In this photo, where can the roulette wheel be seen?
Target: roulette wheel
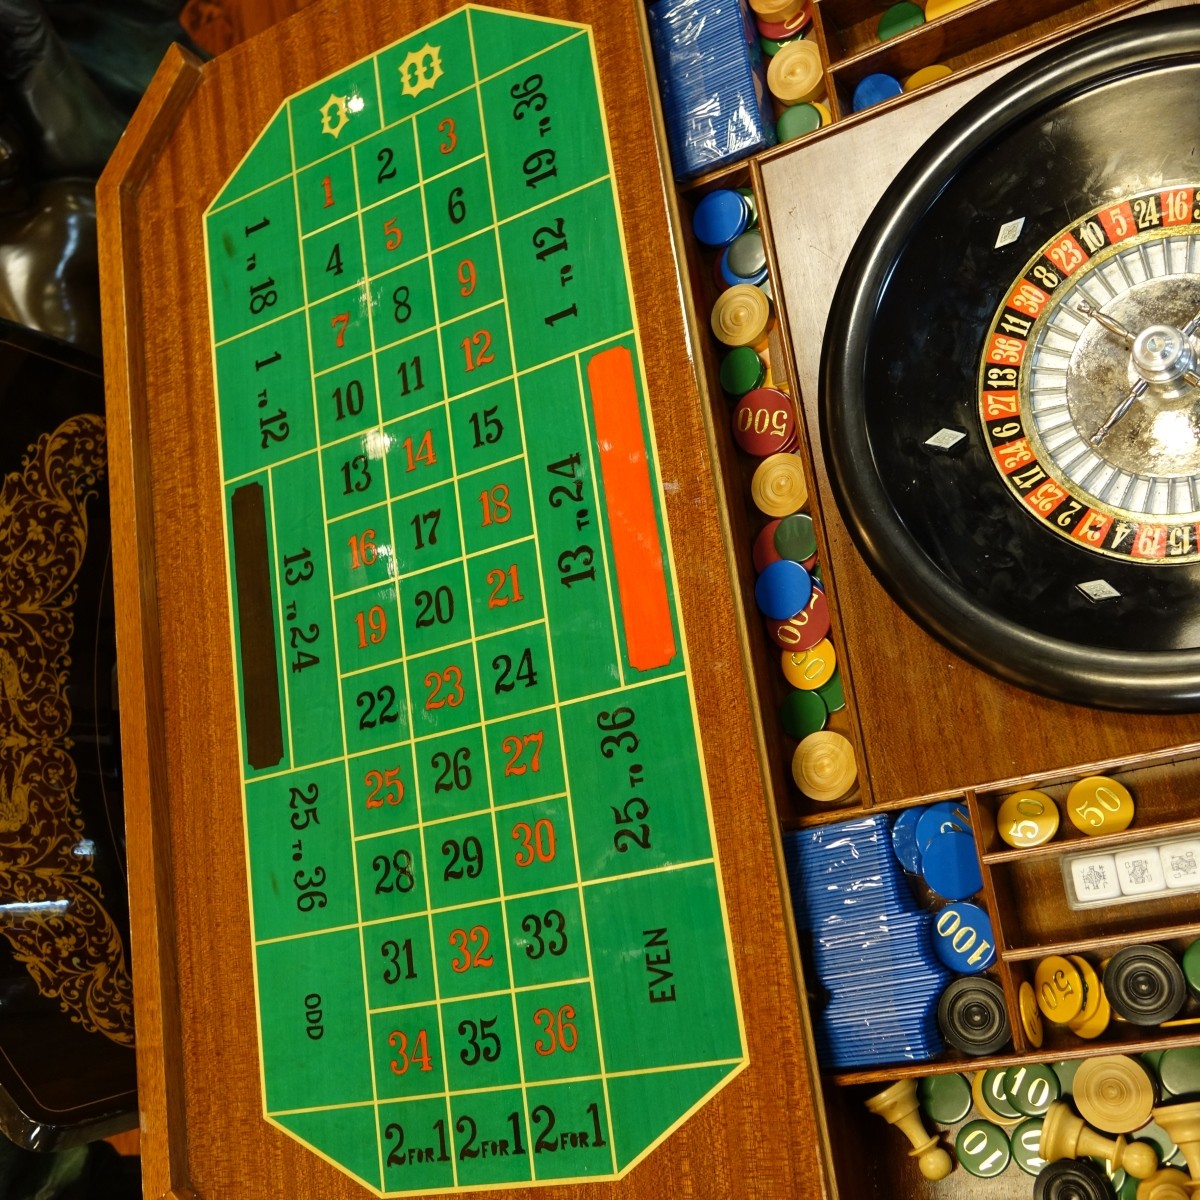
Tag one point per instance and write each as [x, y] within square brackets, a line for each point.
[1008, 378]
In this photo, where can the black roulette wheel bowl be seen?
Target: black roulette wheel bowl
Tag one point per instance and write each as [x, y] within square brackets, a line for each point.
[1088, 122]
[67, 1069]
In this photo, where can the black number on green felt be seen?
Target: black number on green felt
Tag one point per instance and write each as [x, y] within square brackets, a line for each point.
[536, 1116]
[471, 854]
[395, 1158]
[573, 495]
[386, 698]
[352, 404]
[298, 568]
[402, 310]
[425, 528]
[437, 605]
[386, 170]
[456, 208]
[334, 265]
[549, 239]
[401, 864]
[307, 885]
[414, 383]
[391, 952]
[534, 926]
[524, 673]
[527, 96]
[634, 809]
[488, 427]
[456, 775]
[357, 475]
[483, 1043]
[303, 817]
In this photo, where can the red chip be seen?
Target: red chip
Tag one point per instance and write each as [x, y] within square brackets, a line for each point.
[806, 628]
[764, 422]
[764, 547]
[780, 31]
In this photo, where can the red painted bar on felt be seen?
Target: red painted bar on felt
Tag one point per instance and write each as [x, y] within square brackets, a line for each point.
[633, 528]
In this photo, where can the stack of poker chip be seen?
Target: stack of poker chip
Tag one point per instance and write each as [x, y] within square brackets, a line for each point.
[871, 948]
[788, 592]
[795, 66]
[710, 74]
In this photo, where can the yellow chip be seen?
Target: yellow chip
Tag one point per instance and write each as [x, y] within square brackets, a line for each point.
[823, 766]
[1027, 818]
[741, 315]
[810, 669]
[1058, 987]
[794, 75]
[778, 487]
[1031, 1019]
[1099, 805]
[985, 1110]
[926, 75]
[940, 8]
[1093, 991]
[777, 10]
[1095, 1025]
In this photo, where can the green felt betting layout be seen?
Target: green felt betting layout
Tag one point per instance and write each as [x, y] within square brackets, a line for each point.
[490, 940]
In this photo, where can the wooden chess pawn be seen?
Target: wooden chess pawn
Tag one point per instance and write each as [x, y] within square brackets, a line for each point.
[1064, 1135]
[1182, 1123]
[1167, 1184]
[898, 1106]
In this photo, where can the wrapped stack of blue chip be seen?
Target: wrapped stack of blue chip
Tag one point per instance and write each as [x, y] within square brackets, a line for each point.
[872, 950]
[710, 75]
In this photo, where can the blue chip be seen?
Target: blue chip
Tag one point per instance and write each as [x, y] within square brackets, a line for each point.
[940, 818]
[963, 938]
[951, 867]
[904, 839]
[720, 217]
[782, 590]
[874, 89]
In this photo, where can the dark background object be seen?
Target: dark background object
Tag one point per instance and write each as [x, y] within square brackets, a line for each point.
[70, 76]
[59, 1083]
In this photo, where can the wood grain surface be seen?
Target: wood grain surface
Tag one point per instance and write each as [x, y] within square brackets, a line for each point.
[202, 1130]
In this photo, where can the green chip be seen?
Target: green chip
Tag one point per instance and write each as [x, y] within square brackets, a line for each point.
[795, 537]
[900, 18]
[945, 1099]
[771, 46]
[982, 1149]
[1151, 1060]
[742, 371]
[1027, 1146]
[1066, 1074]
[1191, 967]
[1032, 1088]
[995, 1092]
[1179, 1072]
[832, 693]
[797, 121]
[803, 713]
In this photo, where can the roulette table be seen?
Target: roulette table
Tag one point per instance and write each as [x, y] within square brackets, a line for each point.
[456, 798]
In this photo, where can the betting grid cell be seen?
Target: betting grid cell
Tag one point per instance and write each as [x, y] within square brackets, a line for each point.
[622, 690]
